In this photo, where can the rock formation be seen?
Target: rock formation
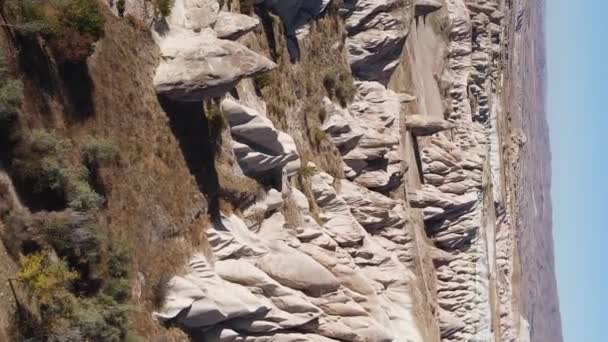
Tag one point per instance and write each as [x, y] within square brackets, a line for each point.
[411, 238]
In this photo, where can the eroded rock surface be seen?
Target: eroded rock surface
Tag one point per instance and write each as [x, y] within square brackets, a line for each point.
[341, 259]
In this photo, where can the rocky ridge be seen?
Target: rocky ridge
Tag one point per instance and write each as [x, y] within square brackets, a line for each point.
[338, 259]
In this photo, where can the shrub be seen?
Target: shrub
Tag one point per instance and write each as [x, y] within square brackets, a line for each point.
[79, 193]
[11, 93]
[97, 314]
[119, 260]
[42, 163]
[48, 281]
[247, 6]
[120, 7]
[339, 84]
[118, 288]
[262, 80]
[216, 120]
[319, 135]
[71, 26]
[101, 319]
[307, 171]
[163, 7]
[100, 151]
[71, 233]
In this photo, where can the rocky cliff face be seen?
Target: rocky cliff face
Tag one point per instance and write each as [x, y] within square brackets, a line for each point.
[375, 132]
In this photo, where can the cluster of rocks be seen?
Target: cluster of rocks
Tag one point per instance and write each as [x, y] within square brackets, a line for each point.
[344, 278]
[367, 133]
[377, 30]
[340, 268]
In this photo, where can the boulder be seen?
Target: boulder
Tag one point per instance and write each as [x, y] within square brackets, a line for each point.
[257, 144]
[198, 66]
[422, 125]
[231, 25]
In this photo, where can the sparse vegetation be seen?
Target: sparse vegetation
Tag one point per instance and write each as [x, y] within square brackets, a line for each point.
[100, 151]
[42, 164]
[71, 26]
[307, 171]
[339, 85]
[247, 6]
[262, 80]
[79, 193]
[11, 93]
[163, 7]
[120, 7]
[216, 120]
[319, 135]
[78, 282]
[294, 95]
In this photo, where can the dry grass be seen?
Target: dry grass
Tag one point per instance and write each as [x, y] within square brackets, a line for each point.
[294, 92]
[153, 203]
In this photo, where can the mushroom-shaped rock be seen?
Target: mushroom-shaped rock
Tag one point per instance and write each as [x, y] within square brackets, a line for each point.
[198, 66]
[231, 25]
[422, 125]
[424, 7]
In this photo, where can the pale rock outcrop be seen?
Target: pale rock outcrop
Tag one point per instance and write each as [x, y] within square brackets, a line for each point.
[258, 145]
[203, 299]
[377, 30]
[367, 134]
[422, 125]
[299, 284]
[198, 66]
[340, 268]
[454, 168]
[234, 25]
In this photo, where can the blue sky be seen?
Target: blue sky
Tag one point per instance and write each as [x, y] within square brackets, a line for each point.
[577, 109]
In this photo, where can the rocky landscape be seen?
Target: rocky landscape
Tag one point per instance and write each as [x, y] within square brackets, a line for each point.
[321, 170]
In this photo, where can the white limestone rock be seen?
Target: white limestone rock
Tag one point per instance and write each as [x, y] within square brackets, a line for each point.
[423, 125]
[231, 25]
[198, 66]
[257, 144]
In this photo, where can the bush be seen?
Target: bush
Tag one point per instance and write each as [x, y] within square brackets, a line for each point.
[339, 84]
[319, 135]
[102, 319]
[216, 120]
[98, 313]
[262, 81]
[48, 281]
[11, 94]
[120, 7]
[163, 7]
[42, 163]
[247, 6]
[70, 233]
[79, 193]
[100, 151]
[307, 171]
[71, 26]
[119, 261]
